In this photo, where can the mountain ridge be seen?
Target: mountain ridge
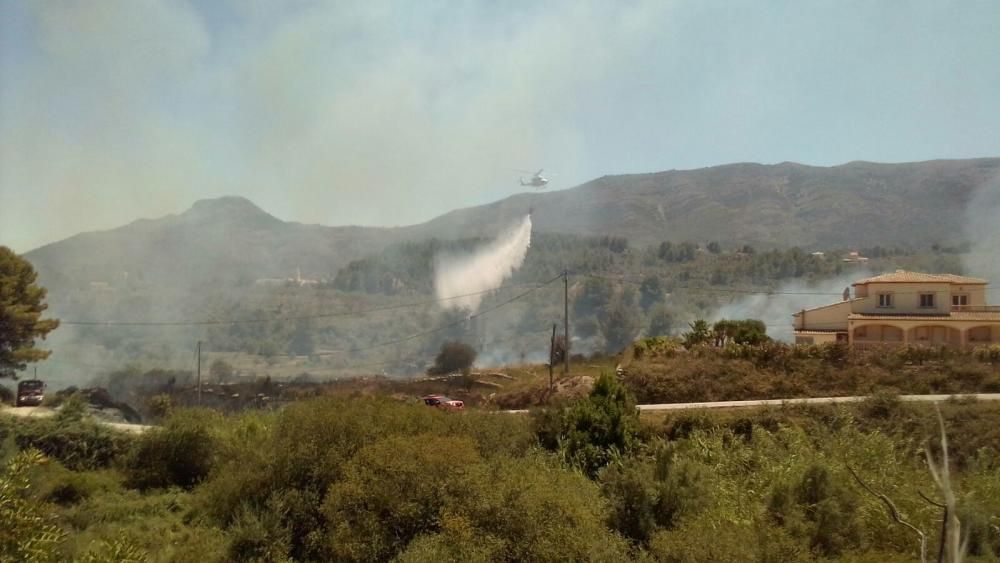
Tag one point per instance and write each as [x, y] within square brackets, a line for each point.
[768, 205]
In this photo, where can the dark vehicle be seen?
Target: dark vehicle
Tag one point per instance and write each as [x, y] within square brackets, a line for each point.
[442, 402]
[30, 392]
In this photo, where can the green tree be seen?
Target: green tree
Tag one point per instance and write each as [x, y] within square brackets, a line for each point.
[714, 247]
[700, 333]
[453, 357]
[594, 431]
[178, 454]
[650, 292]
[661, 321]
[594, 297]
[619, 325]
[749, 332]
[21, 305]
[301, 343]
[393, 491]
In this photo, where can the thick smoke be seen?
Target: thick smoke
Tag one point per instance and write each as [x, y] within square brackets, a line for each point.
[484, 270]
[982, 230]
[776, 309]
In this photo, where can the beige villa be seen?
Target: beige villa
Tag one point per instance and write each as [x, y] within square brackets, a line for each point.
[905, 308]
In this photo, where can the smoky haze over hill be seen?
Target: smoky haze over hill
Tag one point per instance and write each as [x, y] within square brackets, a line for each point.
[787, 204]
[230, 239]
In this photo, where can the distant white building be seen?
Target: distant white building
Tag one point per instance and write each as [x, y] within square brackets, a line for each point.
[297, 280]
[854, 258]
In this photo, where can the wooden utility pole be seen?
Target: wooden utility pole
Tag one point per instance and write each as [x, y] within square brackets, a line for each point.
[566, 321]
[552, 356]
[199, 373]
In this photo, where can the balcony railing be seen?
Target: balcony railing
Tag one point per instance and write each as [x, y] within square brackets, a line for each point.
[975, 308]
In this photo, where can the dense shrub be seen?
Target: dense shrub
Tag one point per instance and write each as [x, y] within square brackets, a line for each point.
[656, 347]
[521, 510]
[453, 357]
[6, 395]
[76, 443]
[989, 354]
[292, 458]
[259, 535]
[393, 491]
[181, 453]
[591, 433]
[64, 487]
[27, 533]
[776, 371]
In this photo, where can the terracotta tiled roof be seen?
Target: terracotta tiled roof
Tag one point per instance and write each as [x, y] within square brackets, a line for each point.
[956, 316]
[838, 303]
[902, 276]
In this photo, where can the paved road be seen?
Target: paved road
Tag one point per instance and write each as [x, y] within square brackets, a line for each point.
[44, 412]
[802, 401]
[810, 401]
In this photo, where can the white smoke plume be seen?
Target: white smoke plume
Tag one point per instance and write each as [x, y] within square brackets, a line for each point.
[483, 270]
[776, 309]
[982, 230]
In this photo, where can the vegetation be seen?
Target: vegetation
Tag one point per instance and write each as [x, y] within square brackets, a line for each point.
[618, 291]
[378, 480]
[662, 372]
[22, 303]
[454, 357]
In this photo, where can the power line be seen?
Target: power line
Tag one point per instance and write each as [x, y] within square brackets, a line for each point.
[426, 332]
[607, 277]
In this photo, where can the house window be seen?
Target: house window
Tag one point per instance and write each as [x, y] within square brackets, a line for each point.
[927, 300]
[959, 300]
[885, 300]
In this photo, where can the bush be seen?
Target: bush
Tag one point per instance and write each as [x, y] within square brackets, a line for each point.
[298, 454]
[63, 487]
[989, 354]
[77, 444]
[180, 454]
[592, 432]
[655, 347]
[6, 395]
[119, 550]
[453, 357]
[520, 510]
[26, 532]
[820, 509]
[632, 495]
[393, 491]
[258, 535]
[682, 490]
[159, 406]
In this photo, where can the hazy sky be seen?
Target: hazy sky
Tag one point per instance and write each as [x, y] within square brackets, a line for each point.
[364, 112]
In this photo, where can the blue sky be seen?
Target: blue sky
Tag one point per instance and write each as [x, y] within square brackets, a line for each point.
[389, 113]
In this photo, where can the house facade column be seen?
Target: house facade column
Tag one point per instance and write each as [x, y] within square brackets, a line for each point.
[963, 338]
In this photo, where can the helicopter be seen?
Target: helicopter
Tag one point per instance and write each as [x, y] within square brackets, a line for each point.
[537, 181]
